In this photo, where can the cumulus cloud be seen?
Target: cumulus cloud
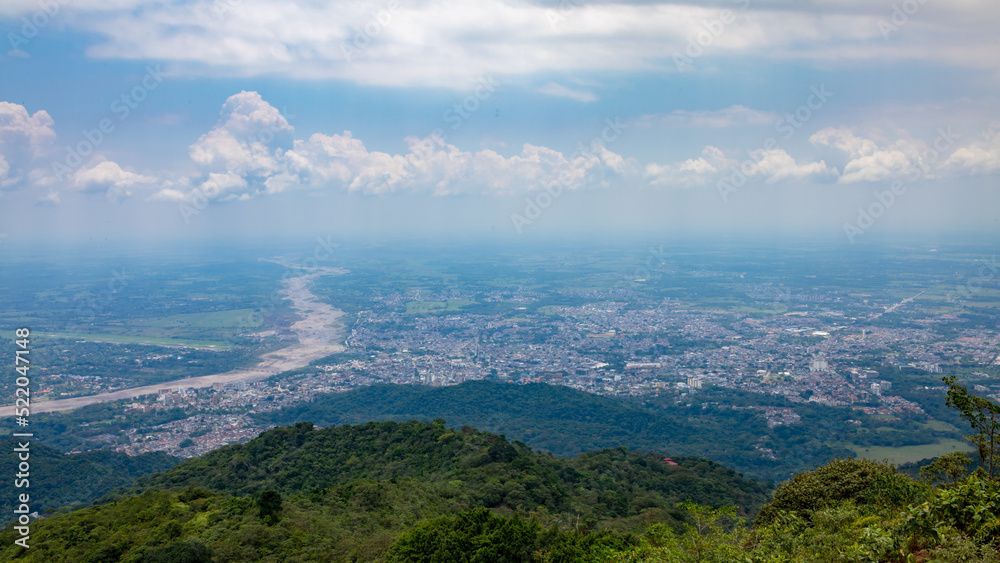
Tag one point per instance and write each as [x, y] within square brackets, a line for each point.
[776, 165]
[252, 152]
[772, 166]
[24, 138]
[241, 162]
[18, 128]
[237, 168]
[108, 178]
[246, 136]
[691, 172]
[978, 157]
[872, 158]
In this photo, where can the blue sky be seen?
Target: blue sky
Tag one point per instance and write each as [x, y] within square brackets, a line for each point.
[209, 118]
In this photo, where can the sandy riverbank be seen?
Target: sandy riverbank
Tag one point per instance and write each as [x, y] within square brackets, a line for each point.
[318, 331]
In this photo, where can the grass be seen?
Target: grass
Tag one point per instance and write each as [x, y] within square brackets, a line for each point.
[908, 454]
[724, 305]
[218, 319]
[941, 426]
[127, 339]
[422, 307]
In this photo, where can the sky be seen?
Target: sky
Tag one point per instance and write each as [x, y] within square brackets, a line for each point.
[207, 119]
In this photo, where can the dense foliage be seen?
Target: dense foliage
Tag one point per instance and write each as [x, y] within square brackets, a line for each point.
[568, 422]
[421, 492]
[57, 480]
[350, 491]
[483, 469]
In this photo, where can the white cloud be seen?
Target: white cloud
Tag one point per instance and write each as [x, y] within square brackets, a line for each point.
[435, 167]
[236, 168]
[19, 129]
[691, 172]
[246, 137]
[978, 157]
[24, 138]
[239, 170]
[871, 159]
[844, 139]
[225, 185]
[172, 195]
[727, 117]
[12, 8]
[777, 165]
[773, 166]
[874, 158]
[108, 178]
[560, 91]
[449, 42]
[49, 200]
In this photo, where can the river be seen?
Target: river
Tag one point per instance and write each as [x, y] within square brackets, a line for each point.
[318, 332]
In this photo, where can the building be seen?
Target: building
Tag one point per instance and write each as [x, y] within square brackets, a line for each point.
[818, 364]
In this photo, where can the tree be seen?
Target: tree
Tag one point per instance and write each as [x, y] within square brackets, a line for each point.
[950, 468]
[269, 505]
[180, 552]
[707, 538]
[984, 416]
[476, 536]
[862, 481]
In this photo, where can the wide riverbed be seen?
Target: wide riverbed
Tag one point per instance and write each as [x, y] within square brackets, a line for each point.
[319, 333]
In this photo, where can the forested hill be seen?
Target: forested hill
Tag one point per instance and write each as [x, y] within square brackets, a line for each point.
[492, 471]
[567, 422]
[59, 480]
[347, 493]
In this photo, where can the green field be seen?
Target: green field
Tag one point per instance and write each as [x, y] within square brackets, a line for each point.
[907, 454]
[941, 426]
[423, 307]
[218, 319]
[126, 339]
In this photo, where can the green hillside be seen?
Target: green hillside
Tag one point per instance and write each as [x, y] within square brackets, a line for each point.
[409, 492]
[71, 480]
[568, 422]
[421, 492]
[350, 491]
[492, 471]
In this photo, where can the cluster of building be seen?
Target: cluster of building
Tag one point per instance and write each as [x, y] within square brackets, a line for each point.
[810, 353]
